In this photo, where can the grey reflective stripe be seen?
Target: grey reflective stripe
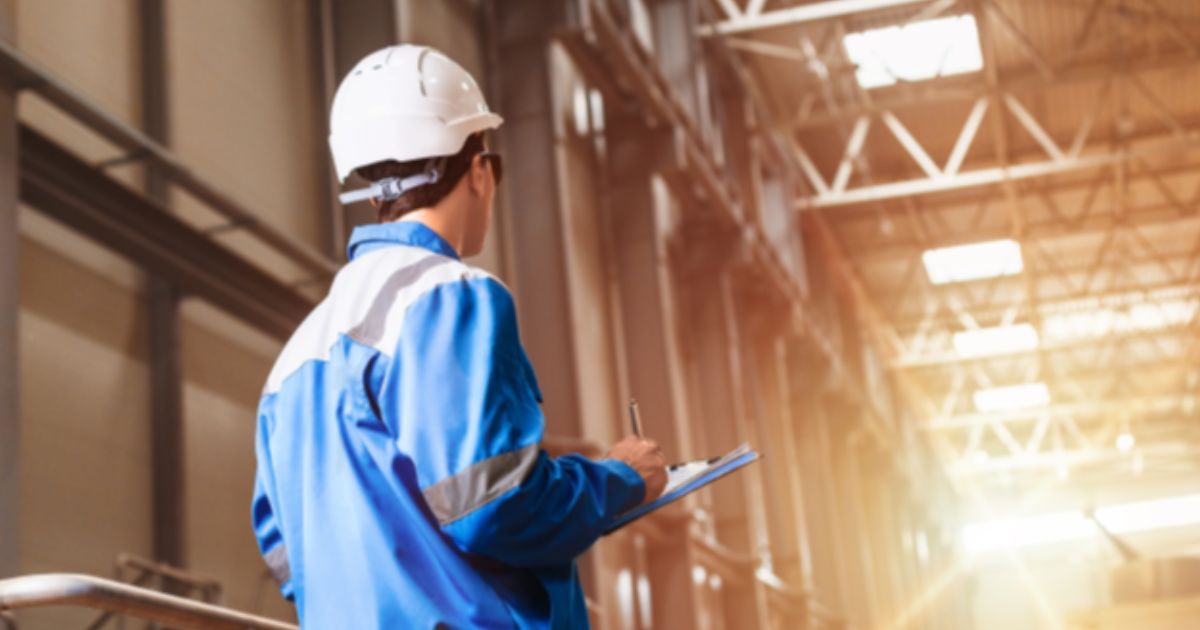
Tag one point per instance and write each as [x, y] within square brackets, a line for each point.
[457, 496]
[277, 563]
[370, 330]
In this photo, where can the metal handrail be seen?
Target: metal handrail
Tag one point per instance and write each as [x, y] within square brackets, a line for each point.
[50, 589]
[29, 75]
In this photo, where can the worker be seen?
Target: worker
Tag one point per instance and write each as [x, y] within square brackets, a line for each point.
[401, 482]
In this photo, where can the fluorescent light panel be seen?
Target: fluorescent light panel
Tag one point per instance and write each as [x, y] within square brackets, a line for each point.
[916, 52]
[1012, 397]
[973, 262]
[1044, 529]
[995, 340]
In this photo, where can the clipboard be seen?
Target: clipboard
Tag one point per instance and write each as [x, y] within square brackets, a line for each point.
[688, 477]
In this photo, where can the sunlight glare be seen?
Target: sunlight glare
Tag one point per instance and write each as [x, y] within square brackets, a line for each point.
[995, 340]
[915, 52]
[1012, 397]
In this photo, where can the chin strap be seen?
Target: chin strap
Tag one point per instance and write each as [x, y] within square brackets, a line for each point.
[390, 188]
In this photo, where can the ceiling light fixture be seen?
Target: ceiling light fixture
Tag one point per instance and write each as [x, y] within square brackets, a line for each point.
[973, 262]
[917, 51]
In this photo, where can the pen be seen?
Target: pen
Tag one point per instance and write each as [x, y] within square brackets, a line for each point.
[633, 417]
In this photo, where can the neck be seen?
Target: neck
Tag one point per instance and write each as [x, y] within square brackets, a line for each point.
[448, 225]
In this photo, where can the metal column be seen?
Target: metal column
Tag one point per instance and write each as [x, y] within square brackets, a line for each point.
[10, 418]
[355, 28]
[719, 410]
[647, 309]
[323, 57]
[643, 272]
[162, 315]
[797, 388]
[820, 495]
[522, 31]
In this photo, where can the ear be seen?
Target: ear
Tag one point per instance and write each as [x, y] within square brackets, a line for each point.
[478, 174]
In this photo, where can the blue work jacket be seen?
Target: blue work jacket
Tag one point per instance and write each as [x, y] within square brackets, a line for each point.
[400, 479]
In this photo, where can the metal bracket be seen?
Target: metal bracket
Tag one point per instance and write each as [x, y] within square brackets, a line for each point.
[135, 155]
[230, 226]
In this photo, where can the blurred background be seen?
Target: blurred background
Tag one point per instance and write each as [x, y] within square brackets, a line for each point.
[937, 260]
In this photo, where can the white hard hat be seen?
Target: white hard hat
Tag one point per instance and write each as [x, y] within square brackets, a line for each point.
[404, 103]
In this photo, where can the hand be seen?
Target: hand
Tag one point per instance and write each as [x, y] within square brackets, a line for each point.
[646, 458]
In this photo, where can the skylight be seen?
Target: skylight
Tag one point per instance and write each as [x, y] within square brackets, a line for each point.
[915, 52]
[995, 340]
[973, 262]
[1012, 397]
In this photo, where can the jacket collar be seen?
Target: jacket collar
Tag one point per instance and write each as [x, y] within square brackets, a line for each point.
[368, 238]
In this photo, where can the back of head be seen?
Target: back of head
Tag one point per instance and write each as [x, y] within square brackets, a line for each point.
[411, 116]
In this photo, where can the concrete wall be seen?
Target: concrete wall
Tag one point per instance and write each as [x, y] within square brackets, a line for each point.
[85, 485]
[241, 112]
[241, 117]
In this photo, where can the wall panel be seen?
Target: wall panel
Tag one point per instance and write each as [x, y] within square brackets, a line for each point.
[241, 113]
[85, 485]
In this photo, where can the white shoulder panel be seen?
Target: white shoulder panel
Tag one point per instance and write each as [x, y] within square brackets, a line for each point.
[367, 302]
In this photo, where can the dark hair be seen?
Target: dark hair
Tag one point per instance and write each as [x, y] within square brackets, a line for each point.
[451, 169]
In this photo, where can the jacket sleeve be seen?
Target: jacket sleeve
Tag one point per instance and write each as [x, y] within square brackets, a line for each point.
[266, 525]
[463, 402]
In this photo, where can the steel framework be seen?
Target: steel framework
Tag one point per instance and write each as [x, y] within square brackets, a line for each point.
[1105, 214]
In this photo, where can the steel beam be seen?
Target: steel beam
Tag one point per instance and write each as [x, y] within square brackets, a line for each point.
[10, 410]
[1070, 458]
[992, 312]
[1087, 222]
[66, 188]
[1091, 408]
[801, 14]
[1015, 81]
[991, 176]
[27, 74]
[951, 359]
[162, 311]
[1067, 276]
